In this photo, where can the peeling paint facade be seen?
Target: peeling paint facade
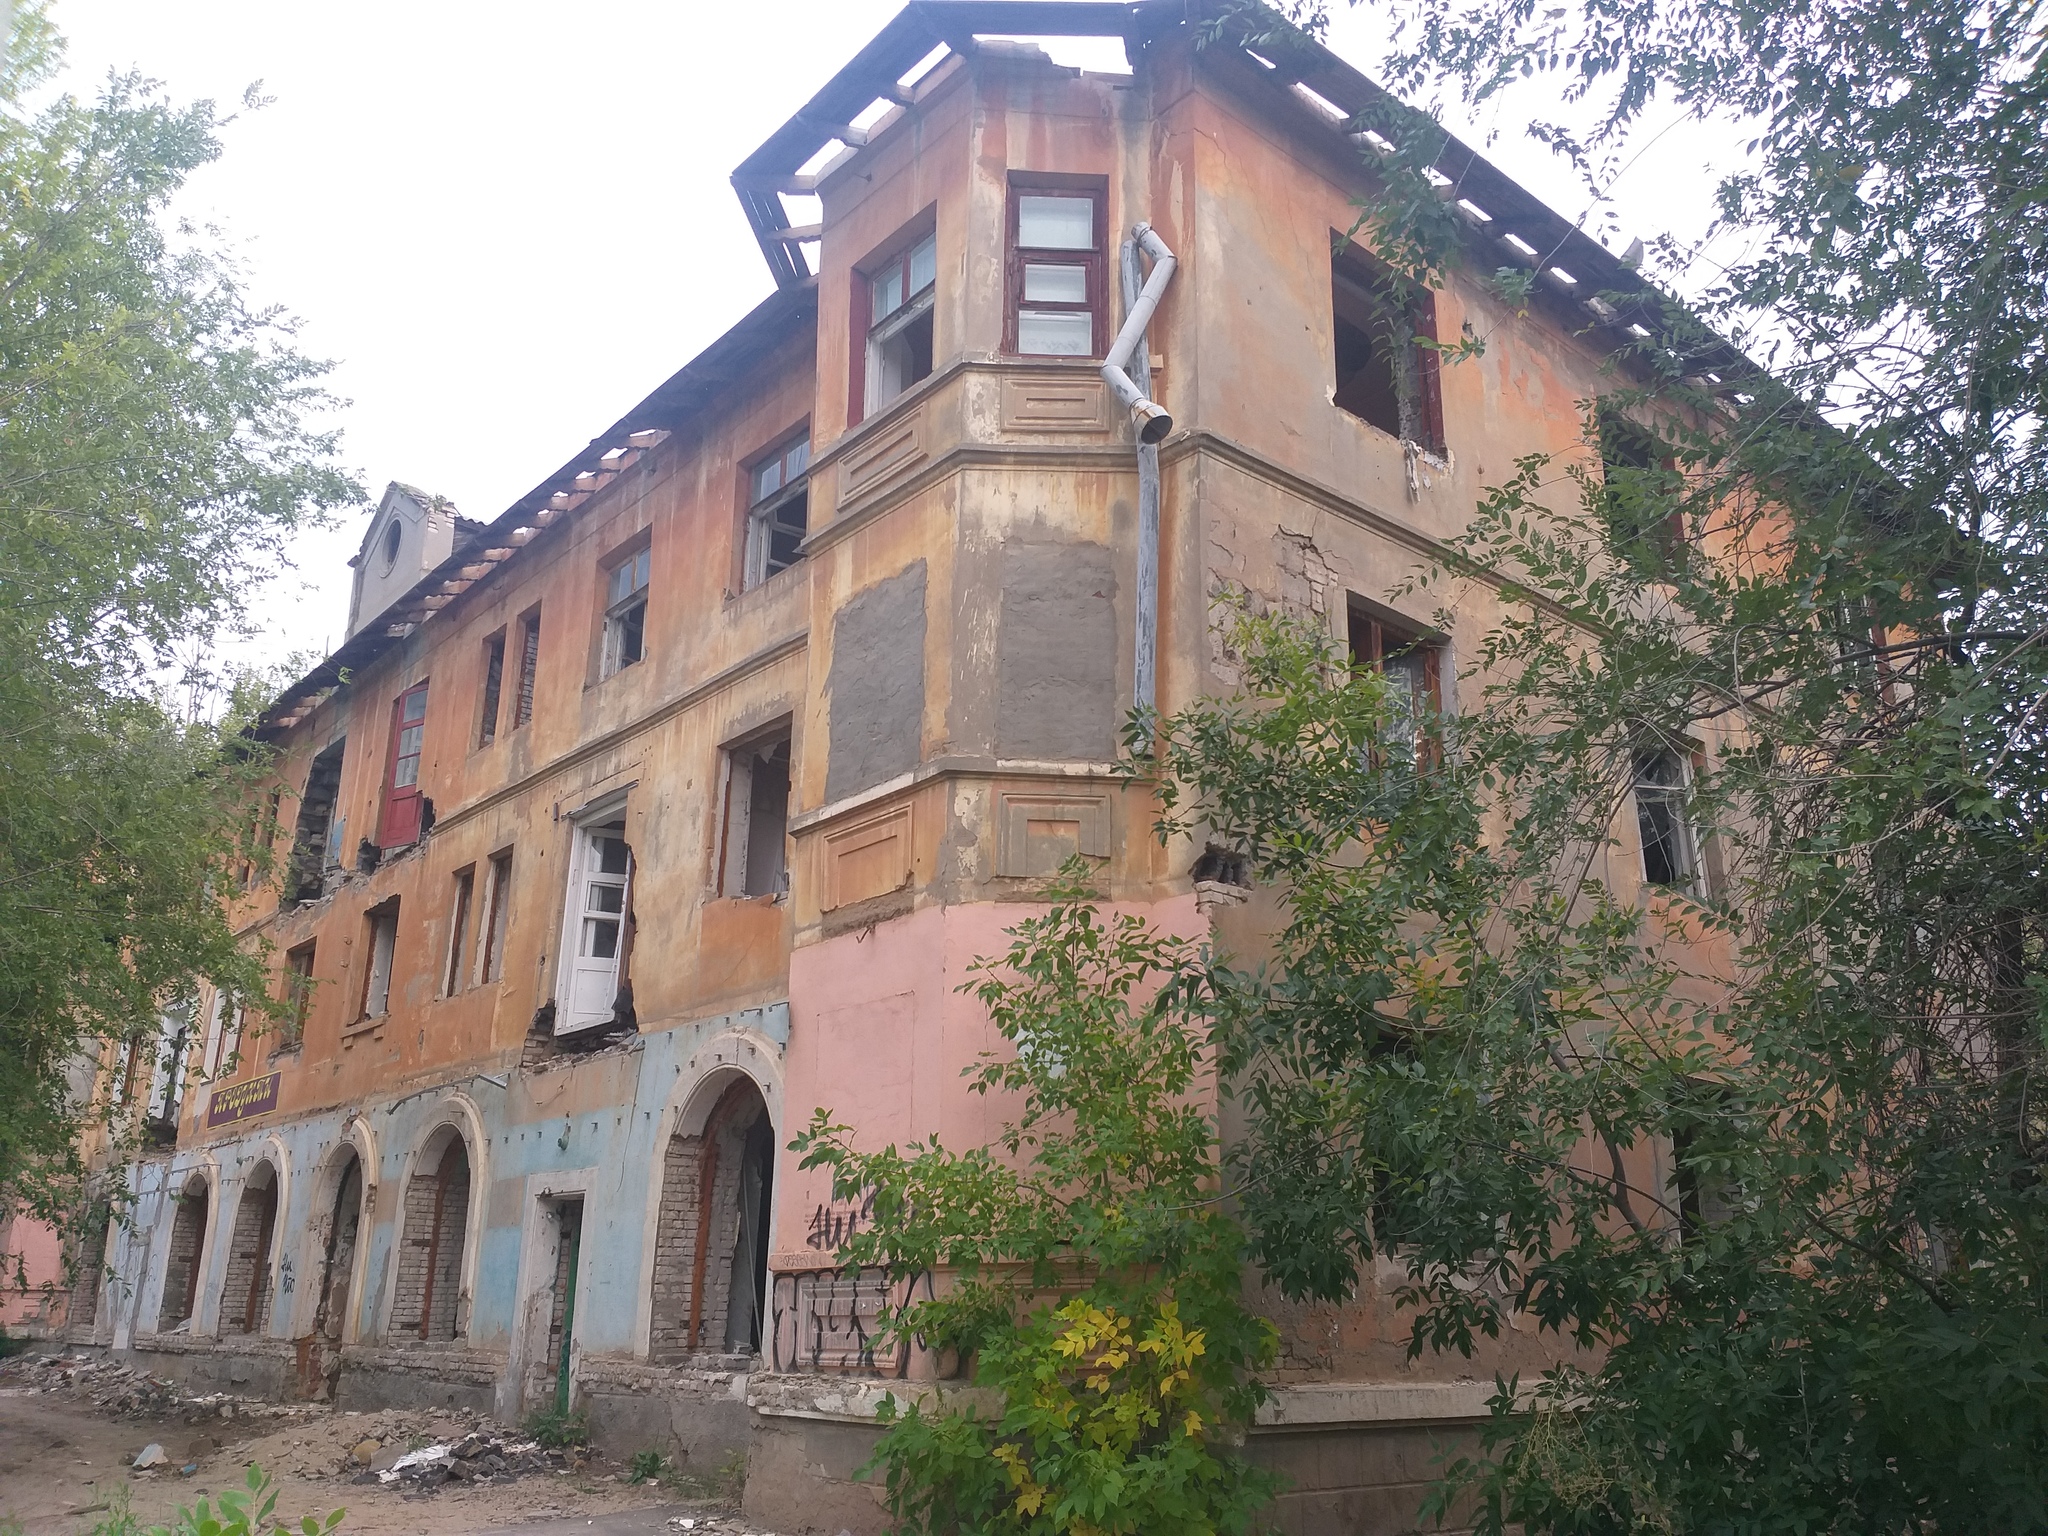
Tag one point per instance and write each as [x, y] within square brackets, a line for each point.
[634, 825]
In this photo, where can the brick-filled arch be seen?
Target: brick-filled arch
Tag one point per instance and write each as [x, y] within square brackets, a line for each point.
[245, 1291]
[428, 1301]
[711, 1231]
[187, 1255]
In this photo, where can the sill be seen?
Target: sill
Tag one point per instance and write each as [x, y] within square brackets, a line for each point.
[364, 1026]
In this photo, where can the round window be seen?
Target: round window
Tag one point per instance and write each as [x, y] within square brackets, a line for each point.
[392, 536]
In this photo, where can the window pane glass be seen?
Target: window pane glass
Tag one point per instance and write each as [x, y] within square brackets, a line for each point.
[415, 705]
[1056, 223]
[797, 460]
[768, 479]
[1048, 284]
[642, 564]
[611, 855]
[1055, 333]
[606, 898]
[889, 292]
[600, 938]
[924, 264]
[619, 586]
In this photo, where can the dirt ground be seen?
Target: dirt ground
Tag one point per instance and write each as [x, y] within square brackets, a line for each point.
[66, 1461]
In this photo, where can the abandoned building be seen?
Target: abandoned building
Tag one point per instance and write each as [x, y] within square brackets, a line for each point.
[630, 826]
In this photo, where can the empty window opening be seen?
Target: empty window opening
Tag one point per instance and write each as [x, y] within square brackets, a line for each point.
[245, 1291]
[1387, 368]
[596, 936]
[223, 1038]
[900, 297]
[494, 685]
[529, 668]
[400, 824]
[778, 510]
[1642, 495]
[1056, 273]
[185, 1260]
[625, 612]
[497, 916]
[711, 1256]
[167, 1079]
[1412, 664]
[298, 995]
[428, 1299]
[316, 842]
[1663, 822]
[457, 974]
[380, 943]
[1707, 1194]
[754, 847]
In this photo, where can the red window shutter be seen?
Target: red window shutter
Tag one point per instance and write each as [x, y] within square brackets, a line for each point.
[400, 823]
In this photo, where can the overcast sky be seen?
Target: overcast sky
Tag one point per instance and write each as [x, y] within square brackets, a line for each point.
[506, 224]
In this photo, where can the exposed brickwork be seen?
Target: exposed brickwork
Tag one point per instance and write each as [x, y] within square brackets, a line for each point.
[188, 1235]
[442, 1194]
[676, 1234]
[245, 1293]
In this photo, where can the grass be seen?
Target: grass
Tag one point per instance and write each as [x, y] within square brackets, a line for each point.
[558, 1431]
[723, 1484]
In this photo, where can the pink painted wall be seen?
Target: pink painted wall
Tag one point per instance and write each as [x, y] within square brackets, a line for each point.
[880, 1036]
[31, 1248]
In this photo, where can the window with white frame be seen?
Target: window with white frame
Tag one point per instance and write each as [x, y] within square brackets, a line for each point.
[778, 510]
[753, 846]
[1664, 822]
[223, 1036]
[625, 612]
[596, 915]
[901, 294]
[381, 933]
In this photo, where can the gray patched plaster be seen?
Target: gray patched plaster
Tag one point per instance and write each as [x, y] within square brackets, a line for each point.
[877, 684]
[1056, 653]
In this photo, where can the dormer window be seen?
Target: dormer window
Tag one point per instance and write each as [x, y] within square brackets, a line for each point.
[901, 293]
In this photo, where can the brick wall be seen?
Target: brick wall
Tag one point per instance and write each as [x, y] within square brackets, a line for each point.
[188, 1233]
[571, 1223]
[675, 1236]
[413, 1248]
[445, 1192]
[241, 1310]
[447, 1320]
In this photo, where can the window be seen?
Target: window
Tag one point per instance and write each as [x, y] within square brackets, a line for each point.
[1056, 275]
[298, 995]
[753, 850]
[1706, 1124]
[1670, 849]
[625, 613]
[494, 682]
[223, 1037]
[594, 937]
[401, 821]
[1388, 371]
[458, 932]
[380, 935]
[778, 510]
[900, 295]
[1412, 663]
[529, 665]
[167, 1084]
[497, 913]
[1641, 494]
[316, 842]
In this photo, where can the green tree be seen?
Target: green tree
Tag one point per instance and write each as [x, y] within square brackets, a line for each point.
[1089, 1277]
[156, 457]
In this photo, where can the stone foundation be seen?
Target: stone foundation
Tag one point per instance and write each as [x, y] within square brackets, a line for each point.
[417, 1376]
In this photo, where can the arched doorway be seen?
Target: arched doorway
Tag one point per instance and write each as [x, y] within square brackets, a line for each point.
[245, 1293]
[429, 1302]
[711, 1235]
[187, 1254]
[340, 1225]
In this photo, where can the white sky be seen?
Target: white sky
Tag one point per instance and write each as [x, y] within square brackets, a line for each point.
[506, 224]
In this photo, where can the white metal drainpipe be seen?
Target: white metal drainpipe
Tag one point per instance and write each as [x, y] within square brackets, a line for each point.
[1128, 372]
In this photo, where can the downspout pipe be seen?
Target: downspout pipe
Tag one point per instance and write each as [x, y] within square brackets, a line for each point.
[1128, 371]
[1148, 416]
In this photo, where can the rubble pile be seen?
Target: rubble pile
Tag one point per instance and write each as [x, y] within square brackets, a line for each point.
[122, 1391]
[482, 1456]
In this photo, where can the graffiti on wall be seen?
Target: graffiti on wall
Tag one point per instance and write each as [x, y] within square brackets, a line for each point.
[832, 1225]
[828, 1321]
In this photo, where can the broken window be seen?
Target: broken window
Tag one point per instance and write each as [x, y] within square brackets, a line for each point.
[595, 935]
[1056, 273]
[754, 842]
[458, 931]
[1641, 495]
[223, 1037]
[1386, 361]
[1670, 847]
[494, 683]
[529, 666]
[625, 612]
[778, 510]
[316, 843]
[901, 294]
[400, 824]
[298, 995]
[1412, 665]
[167, 1080]
[380, 935]
[497, 914]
